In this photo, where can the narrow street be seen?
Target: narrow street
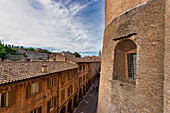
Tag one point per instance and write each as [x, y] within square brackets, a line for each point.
[89, 102]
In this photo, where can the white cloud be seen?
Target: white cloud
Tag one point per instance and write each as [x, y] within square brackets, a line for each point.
[46, 24]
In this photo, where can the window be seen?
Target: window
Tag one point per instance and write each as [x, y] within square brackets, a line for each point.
[84, 67]
[7, 98]
[37, 110]
[51, 82]
[83, 78]
[131, 65]
[33, 89]
[3, 99]
[62, 78]
[70, 76]
[80, 80]
[125, 61]
[63, 95]
[80, 68]
[75, 73]
[51, 104]
[75, 86]
[69, 90]
[86, 76]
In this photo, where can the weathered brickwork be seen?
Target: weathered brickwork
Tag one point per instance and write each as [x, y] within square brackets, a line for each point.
[113, 8]
[147, 25]
[167, 58]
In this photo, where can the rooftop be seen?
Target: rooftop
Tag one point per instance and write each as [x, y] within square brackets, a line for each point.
[16, 71]
[81, 60]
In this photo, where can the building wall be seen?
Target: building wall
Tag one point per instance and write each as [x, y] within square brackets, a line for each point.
[113, 8]
[76, 86]
[145, 26]
[24, 105]
[167, 58]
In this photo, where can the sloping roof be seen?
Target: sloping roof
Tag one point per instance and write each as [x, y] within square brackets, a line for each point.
[80, 60]
[15, 71]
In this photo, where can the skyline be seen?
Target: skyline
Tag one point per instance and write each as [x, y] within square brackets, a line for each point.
[56, 25]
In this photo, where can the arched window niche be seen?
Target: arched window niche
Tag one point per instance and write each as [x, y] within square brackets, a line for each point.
[125, 61]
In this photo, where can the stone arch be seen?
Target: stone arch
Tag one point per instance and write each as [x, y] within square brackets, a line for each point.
[63, 110]
[70, 107]
[125, 60]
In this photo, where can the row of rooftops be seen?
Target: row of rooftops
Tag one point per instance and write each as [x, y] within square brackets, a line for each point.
[16, 71]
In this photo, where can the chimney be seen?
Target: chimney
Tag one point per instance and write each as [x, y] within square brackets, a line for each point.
[44, 69]
[65, 59]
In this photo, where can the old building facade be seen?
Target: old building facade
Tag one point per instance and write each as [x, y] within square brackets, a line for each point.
[44, 87]
[135, 76]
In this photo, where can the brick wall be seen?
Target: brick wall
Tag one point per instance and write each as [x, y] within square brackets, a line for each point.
[167, 59]
[114, 8]
[145, 26]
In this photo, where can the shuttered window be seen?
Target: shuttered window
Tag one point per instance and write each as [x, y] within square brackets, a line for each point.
[63, 95]
[70, 90]
[7, 98]
[62, 78]
[84, 78]
[70, 76]
[37, 110]
[33, 89]
[80, 80]
[84, 67]
[51, 104]
[51, 82]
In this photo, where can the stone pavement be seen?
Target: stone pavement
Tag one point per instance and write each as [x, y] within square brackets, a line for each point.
[89, 102]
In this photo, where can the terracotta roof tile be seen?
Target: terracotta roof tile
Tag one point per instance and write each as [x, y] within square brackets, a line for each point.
[15, 71]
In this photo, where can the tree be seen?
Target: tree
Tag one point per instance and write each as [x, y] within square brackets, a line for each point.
[76, 54]
[31, 49]
[21, 47]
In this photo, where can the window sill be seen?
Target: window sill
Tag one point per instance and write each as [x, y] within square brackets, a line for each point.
[130, 80]
[51, 109]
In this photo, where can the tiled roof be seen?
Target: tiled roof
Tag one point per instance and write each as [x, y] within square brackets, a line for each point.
[15, 71]
[80, 60]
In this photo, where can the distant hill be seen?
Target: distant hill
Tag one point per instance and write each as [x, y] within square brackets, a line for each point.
[5, 49]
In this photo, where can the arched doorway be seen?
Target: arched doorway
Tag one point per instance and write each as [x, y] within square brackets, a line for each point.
[125, 60]
[80, 95]
[84, 90]
[63, 110]
[70, 107]
[75, 101]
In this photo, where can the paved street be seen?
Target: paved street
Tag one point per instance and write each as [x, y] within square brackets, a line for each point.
[89, 102]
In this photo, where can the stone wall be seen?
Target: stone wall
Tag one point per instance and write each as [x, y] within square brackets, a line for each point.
[167, 59]
[145, 25]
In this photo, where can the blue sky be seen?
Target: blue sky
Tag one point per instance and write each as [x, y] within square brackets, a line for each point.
[57, 25]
